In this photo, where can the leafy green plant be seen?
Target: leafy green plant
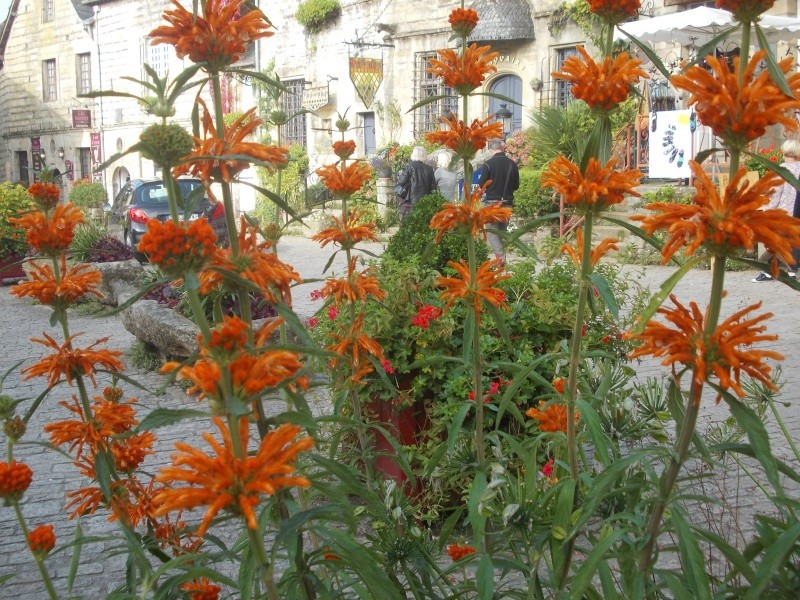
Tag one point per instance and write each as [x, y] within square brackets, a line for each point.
[772, 154]
[314, 15]
[531, 200]
[87, 235]
[88, 194]
[292, 185]
[14, 200]
[559, 131]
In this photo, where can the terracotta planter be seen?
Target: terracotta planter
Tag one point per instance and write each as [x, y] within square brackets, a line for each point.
[10, 269]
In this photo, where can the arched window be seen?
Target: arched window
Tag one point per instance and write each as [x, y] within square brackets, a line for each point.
[509, 86]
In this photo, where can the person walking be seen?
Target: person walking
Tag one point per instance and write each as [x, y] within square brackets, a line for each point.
[784, 197]
[417, 179]
[446, 180]
[502, 174]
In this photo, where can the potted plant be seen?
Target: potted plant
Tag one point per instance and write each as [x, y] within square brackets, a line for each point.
[14, 200]
[90, 196]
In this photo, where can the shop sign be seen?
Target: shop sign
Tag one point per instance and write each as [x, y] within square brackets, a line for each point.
[366, 75]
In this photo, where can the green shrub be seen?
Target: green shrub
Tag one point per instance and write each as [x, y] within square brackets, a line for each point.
[88, 194]
[87, 235]
[530, 200]
[292, 188]
[14, 200]
[315, 14]
[415, 238]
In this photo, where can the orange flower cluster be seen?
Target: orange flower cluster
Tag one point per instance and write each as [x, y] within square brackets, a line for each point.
[576, 252]
[465, 140]
[344, 149]
[740, 115]
[472, 214]
[347, 233]
[227, 481]
[178, 247]
[44, 194]
[201, 589]
[352, 348]
[457, 551]
[596, 189]
[129, 501]
[218, 37]
[254, 263]
[475, 292]
[357, 286]
[42, 539]
[731, 345]
[73, 283]
[725, 224]
[345, 180]
[615, 11]
[15, 478]
[68, 362]
[463, 21]
[207, 161]
[52, 233]
[251, 368]
[746, 11]
[602, 86]
[464, 72]
[551, 418]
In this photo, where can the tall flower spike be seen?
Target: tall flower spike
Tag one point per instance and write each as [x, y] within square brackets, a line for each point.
[52, 233]
[735, 115]
[344, 181]
[597, 189]
[472, 214]
[463, 21]
[74, 282]
[723, 225]
[67, 362]
[746, 11]
[602, 86]
[484, 288]
[464, 73]
[347, 233]
[178, 247]
[218, 37]
[615, 11]
[465, 140]
[44, 194]
[223, 481]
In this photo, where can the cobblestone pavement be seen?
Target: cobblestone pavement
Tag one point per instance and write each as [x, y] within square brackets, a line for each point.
[54, 475]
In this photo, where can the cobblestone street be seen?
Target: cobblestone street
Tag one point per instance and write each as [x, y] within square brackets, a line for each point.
[54, 474]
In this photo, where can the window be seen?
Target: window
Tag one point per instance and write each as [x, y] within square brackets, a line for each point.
[48, 11]
[158, 59]
[49, 80]
[294, 132]
[426, 118]
[84, 73]
[85, 162]
[563, 88]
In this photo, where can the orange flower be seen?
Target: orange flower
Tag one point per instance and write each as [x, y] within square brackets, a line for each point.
[746, 11]
[457, 551]
[344, 149]
[356, 286]
[558, 384]
[68, 362]
[576, 252]
[597, 189]
[41, 540]
[602, 86]
[463, 21]
[207, 160]
[353, 345]
[615, 11]
[50, 234]
[551, 418]
[347, 234]
[726, 353]
[255, 263]
[724, 224]
[15, 478]
[464, 73]
[178, 247]
[473, 214]
[44, 194]
[201, 589]
[345, 180]
[488, 275]
[227, 481]
[465, 140]
[129, 499]
[75, 282]
[736, 115]
[218, 37]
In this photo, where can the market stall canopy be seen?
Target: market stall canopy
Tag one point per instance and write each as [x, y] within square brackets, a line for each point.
[698, 26]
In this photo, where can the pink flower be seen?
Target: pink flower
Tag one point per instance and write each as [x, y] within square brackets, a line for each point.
[313, 322]
[316, 295]
[333, 312]
[494, 387]
[387, 366]
[547, 468]
[471, 396]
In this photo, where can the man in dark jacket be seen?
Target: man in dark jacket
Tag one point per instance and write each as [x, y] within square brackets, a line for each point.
[503, 174]
[418, 177]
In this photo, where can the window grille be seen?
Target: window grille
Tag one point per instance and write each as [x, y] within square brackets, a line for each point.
[294, 132]
[426, 85]
[84, 73]
[48, 11]
[563, 89]
[49, 80]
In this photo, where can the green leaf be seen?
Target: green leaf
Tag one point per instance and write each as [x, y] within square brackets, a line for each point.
[704, 154]
[476, 520]
[562, 522]
[606, 293]
[162, 417]
[747, 450]
[455, 426]
[772, 65]
[75, 561]
[730, 553]
[785, 174]
[425, 101]
[649, 53]
[774, 561]
[592, 423]
[580, 583]
[692, 559]
[485, 577]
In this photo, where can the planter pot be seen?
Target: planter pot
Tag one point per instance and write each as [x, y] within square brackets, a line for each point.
[11, 268]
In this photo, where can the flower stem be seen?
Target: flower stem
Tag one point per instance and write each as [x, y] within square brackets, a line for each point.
[267, 572]
[48, 583]
[227, 199]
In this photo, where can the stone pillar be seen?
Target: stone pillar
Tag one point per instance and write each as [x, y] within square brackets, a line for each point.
[385, 194]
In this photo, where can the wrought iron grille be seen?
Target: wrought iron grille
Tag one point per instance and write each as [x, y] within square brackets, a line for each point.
[294, 132]
[426, 85]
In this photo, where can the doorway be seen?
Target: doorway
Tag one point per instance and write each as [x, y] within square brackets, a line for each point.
[509, 86]
[368, 124]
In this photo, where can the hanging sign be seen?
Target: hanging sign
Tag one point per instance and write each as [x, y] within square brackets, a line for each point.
[97, 156]
[315, 98]
[366, 75]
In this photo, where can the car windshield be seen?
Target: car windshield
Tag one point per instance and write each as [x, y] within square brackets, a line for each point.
[155, 194]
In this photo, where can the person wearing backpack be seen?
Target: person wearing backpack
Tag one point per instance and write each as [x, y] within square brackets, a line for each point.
[416, 180]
